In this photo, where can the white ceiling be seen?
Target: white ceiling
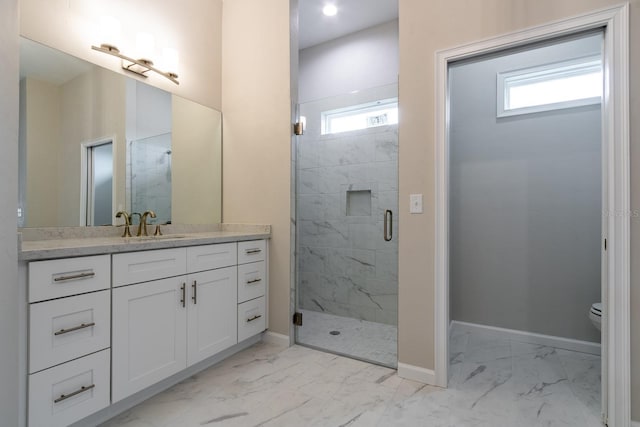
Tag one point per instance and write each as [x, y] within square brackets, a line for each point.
[49, 65]
[353, 15]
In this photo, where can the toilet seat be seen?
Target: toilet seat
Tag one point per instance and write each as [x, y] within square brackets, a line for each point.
[595, 315]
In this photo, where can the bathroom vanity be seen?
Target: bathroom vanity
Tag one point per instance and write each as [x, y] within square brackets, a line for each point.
[110, 321]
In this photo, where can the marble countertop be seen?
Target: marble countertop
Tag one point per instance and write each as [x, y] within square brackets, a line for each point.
[51, 243]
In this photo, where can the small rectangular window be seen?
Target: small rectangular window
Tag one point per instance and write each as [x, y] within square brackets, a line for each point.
[550, 87]
[362, 116]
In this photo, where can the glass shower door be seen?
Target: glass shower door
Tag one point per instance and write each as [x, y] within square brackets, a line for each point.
[347, 236]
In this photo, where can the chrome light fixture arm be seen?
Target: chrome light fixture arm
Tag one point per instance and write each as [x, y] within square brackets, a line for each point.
[137, 66]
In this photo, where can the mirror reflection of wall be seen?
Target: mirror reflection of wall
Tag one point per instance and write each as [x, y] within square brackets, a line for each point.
[149, 150]
[166, 150]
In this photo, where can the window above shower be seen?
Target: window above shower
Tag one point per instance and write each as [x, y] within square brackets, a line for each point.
[566, 84]
[362, 116]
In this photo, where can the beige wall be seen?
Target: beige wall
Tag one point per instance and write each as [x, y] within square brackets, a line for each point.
[93, 109]
[42, 138]
[196, 162]
[59, 119]
[9, 301]
[193, 28]
[257, 133]
[426, 27]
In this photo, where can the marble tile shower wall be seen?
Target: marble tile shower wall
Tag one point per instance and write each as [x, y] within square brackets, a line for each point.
[151, 176]
[345, 267]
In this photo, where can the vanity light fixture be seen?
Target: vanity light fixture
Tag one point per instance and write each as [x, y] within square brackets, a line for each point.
[143, 64]
[330, 10]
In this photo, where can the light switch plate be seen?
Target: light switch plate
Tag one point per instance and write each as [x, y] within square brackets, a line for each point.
[415, 203]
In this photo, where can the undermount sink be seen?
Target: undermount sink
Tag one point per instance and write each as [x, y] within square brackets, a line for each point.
[163, 237]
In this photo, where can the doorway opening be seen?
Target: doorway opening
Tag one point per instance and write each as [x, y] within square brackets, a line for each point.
[615, 218]
[346, 181]
[98, 193]
[525, 226]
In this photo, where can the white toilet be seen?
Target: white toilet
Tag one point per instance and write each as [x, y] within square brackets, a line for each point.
[595, 314]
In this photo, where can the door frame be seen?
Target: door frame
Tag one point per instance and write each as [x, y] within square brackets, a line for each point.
[84, 175]
[616, 195]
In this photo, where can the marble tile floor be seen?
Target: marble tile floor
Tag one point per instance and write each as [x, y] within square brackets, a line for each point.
[364, 340]
[497, 383]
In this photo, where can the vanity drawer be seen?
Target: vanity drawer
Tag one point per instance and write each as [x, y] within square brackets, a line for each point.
[57, 397]
[251, 318]
[67, 328]
[251, 281]
[209, 257]
[137, 267]
[251, 251]
[63, 277]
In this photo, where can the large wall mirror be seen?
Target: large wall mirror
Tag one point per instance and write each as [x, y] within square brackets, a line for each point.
[93, 142]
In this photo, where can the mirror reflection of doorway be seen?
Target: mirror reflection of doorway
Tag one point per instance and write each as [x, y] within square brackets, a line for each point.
[99, 197]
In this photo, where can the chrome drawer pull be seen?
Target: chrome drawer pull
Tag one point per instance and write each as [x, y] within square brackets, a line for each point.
[250, 282]
[252, 251]
[183, 290]
[75, 328]
[257, 316]
[67, 396]
[74, 276]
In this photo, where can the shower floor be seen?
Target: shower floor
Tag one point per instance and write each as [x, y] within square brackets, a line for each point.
[360, 339]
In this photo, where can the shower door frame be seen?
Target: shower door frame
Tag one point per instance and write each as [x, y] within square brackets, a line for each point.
[295, 308]
[616, 360]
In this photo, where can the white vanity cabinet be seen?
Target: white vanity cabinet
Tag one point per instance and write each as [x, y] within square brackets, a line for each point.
[162, 326]
[69, 339]
[102, 328]
[252, 280]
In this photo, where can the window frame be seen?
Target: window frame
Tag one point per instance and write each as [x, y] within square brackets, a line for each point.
[548, 72]
[363, 108]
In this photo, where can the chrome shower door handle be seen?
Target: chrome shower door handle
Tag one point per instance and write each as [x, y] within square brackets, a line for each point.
[388, 225]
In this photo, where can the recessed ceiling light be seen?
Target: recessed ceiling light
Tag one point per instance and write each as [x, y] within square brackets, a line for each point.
[330, 10]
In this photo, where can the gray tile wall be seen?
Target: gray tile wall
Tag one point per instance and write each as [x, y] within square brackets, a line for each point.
[345, 267]
[151, 176]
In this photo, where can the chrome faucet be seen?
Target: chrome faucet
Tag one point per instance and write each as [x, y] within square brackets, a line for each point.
[127, 223]
[142, 228]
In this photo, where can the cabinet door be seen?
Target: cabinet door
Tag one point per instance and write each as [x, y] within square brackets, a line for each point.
[212, 314]
[149, 341]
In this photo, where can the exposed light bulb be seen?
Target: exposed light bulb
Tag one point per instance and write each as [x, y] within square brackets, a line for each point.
[146, 45]
[109, 31]
[330, 10]
[170, 59]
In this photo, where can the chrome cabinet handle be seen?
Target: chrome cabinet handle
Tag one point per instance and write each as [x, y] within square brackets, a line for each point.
[257, 316]
[183, 289]
[75, 328]
[388, 225]
[70, 395]
[74, 276]
[252, 251]
[250, 282]
[194, 297]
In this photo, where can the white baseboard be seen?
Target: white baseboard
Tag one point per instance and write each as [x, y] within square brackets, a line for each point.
[275, 338]
[416, 373]
[533, 338]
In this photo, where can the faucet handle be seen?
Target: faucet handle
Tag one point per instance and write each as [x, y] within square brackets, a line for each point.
[127, 223]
